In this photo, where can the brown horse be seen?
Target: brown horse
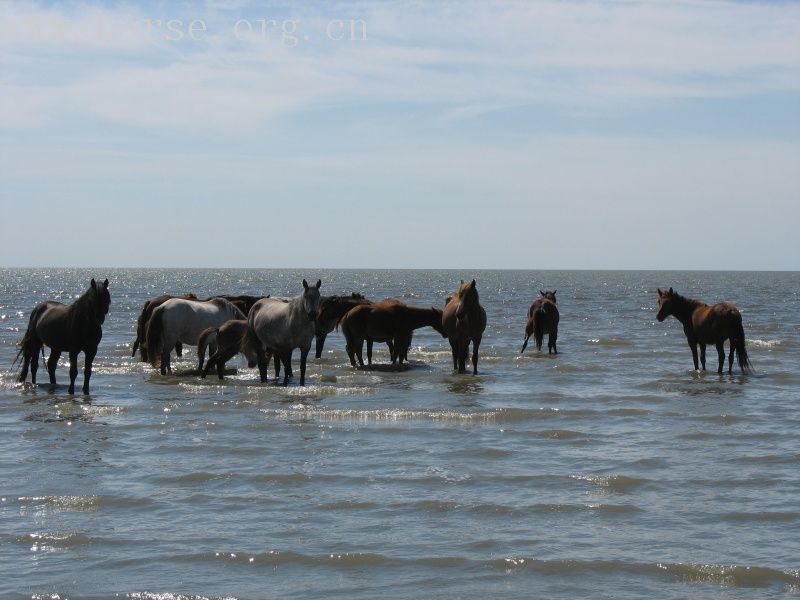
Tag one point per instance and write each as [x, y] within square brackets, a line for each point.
[388, 320]
[229, 340]
[704, 324]
[73, 328]
[464, 321]
[144, 317]
[331, 311]
[543, 319]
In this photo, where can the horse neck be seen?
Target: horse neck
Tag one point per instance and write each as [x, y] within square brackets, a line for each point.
[344, 306]
[297, 308]
[472, 307]
[83, 306]
[684, 309]
[421, 317]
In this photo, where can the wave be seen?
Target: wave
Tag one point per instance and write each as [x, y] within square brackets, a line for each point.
[77, 503]
[779, 516]
[610, 342]
[496, 416]
[718, 574]
[764, 343]
[614, 483]
[51, 541]
[561, 434]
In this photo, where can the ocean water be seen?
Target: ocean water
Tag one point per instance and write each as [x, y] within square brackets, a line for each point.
[609, 471]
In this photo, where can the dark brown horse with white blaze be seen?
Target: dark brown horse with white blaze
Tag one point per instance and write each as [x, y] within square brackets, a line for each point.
[464, 321]
[704, 324]
[543, 319]
[73, 328]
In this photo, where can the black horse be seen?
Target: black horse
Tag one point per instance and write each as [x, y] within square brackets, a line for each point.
[73, 328]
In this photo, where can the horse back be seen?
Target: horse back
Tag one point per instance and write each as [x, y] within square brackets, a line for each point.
[716, 323]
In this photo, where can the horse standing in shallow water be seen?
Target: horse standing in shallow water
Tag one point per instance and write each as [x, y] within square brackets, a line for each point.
[704, 324]
[74, 329]
[275, 326]
[180, 320]
[331, 311]
[140, 343]
[229, 340]
[543, 319]
[389, 321]
[463, 321]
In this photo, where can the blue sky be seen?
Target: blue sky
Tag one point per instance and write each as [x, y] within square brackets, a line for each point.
[587, 134]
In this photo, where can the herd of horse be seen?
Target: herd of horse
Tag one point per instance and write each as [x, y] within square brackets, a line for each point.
[271, 328]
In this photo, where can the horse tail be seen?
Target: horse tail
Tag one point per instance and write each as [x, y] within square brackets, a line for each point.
[155, 329]
[139, 329]
[204, 341]
[538, 326]
[27, 344]
[528, 332]
[741, 350]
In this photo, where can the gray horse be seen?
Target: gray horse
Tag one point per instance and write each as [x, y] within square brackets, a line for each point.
[275, 326]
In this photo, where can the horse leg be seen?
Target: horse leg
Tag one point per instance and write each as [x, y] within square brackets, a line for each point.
[179, 349]
[454, 351]
[35, 363]
[703, 356]
[287, 366]
[721, 353]
[554, 337]
[212, 360]
[693, 347]
[73, 371]
[320, 344]
[278, 366]
[222, 358]
[88, 357]
[730, 357]
[165, 360]
[463, 351]
[359, 349]
[303, 358]
[52, 363]
[369, 353]
[392, 349]
[476, 342]
[263, 363]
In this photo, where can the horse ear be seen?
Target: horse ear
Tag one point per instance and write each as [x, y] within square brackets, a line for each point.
[319, 283]
[660, 293]
[94, 283]
[472, 285]
[541, 292]
[671, 291]
[305, 284]
[462, 282]
[105, 284]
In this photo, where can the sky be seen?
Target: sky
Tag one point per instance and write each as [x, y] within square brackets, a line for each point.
[635, 134]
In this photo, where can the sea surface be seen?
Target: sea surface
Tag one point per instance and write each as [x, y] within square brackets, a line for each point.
[611, 470]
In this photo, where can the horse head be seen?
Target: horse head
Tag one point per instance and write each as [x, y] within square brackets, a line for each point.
[467, 296]
[311, 299]
[666, 303]
[549, 295]
[100, 299]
